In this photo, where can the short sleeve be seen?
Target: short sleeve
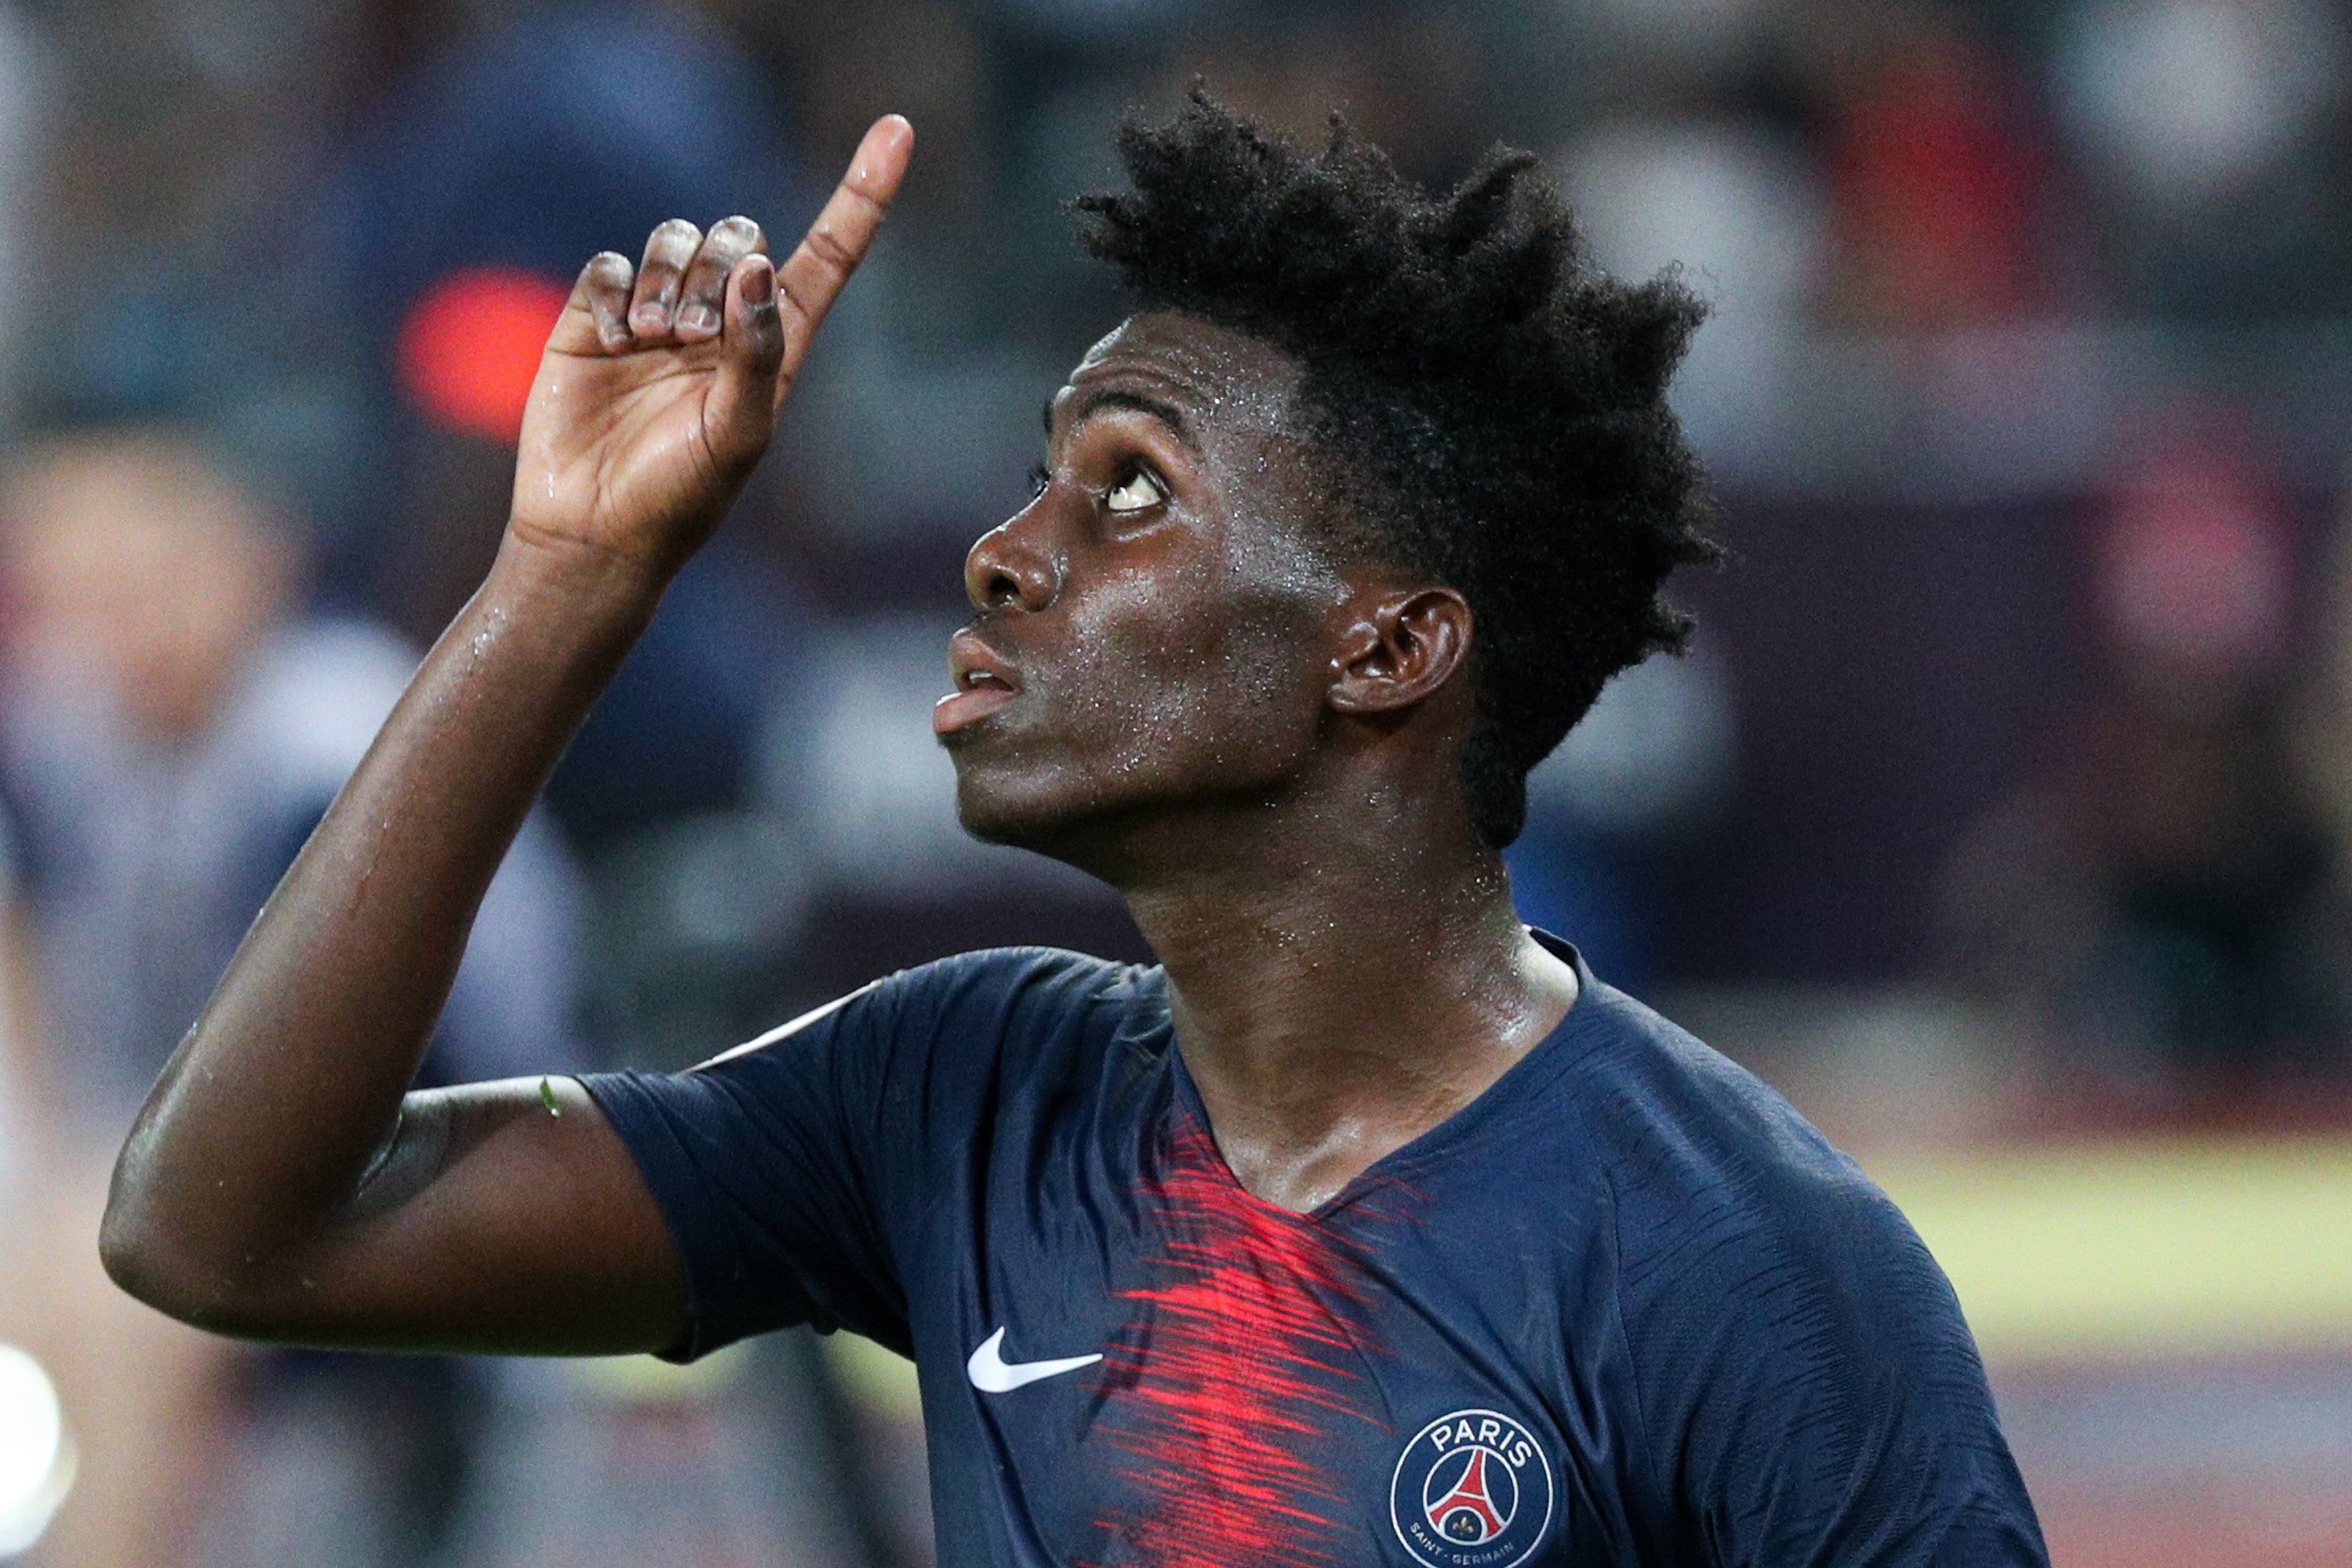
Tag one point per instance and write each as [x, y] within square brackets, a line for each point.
[1810, 1389]
[765, 1164]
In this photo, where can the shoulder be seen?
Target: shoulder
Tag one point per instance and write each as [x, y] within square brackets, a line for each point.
[1686, 1132]
[1804, 1372]
[1735, 1221]
[899, 1078]
[1008, 985]
[918, 1060]
[1737, 1224]
[984, 1005]
[1035, 982]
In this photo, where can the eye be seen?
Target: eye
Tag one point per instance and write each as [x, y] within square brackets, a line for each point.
[1038, 480]
[1138, 492]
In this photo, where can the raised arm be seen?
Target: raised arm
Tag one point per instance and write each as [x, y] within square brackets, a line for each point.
[281, 1182]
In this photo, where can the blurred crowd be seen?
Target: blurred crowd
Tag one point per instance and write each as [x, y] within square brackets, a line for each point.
[2025, 397]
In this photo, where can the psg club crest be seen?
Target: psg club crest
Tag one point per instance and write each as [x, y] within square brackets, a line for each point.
[1474, 1490]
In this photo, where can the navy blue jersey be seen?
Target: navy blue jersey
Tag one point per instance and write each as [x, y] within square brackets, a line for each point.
[1626, 1308]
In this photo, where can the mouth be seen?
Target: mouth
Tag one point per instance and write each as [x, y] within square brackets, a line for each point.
[985, 683]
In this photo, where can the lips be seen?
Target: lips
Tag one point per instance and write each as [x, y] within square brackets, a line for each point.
[985, 683]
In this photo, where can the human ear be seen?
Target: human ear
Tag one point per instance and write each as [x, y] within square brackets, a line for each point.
[1397, 649]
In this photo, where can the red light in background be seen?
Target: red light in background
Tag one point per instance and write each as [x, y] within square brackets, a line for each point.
[470, 346]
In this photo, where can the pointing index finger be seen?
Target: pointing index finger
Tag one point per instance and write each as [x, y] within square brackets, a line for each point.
[836, 242]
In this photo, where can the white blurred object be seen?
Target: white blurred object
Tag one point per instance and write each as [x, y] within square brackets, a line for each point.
[1734, 204]
[1657, 746]
[37, 1456]
[2190, 99]
[1740, 209]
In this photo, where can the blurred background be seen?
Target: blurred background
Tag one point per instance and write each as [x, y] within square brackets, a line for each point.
[2002, 817]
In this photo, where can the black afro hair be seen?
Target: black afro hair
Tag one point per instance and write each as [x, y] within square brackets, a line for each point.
[1488, 405]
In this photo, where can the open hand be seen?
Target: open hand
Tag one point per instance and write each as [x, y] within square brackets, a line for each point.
[660, 384]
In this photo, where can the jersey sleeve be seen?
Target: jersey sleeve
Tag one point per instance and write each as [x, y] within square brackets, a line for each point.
[769, 1166]
[1810, 1393]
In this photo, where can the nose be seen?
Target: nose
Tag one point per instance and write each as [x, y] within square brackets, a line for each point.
[1012, 566]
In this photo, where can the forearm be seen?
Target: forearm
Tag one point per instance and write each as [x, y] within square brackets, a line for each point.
[263, 1127]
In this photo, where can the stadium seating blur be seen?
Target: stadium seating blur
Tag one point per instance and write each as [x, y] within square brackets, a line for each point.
[2003, 817]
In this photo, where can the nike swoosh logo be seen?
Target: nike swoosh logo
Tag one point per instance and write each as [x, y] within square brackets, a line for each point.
[992, 1374]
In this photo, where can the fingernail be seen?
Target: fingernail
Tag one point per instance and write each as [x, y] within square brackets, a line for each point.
[649, 318]
[758, 285]
[699, 319]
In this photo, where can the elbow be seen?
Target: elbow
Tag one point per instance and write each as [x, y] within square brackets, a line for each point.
[134, 1235]
[137, 1257]
[144, 1257]
[212, 1283]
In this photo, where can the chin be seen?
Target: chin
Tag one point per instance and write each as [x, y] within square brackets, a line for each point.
[1078, 828]
[1022, 819]
[1109, 814]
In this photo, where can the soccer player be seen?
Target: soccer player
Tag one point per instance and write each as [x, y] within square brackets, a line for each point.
[1366, 1227]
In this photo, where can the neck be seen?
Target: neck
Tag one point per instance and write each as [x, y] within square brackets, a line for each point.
[1339, 990]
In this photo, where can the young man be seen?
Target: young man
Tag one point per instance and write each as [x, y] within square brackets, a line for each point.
[1369, 1229]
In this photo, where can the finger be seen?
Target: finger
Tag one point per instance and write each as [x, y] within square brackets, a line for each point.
[741, 414]
[595, 319]
[654, 307]
[606, 280]
[812, 274]
[703, 294]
